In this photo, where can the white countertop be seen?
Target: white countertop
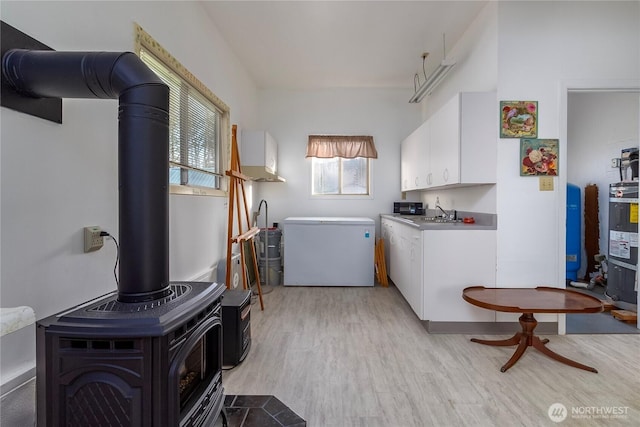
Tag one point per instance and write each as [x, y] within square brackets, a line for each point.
[482, 222]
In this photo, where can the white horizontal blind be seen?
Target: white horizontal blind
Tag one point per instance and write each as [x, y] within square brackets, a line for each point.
[340, 176]
[194, 130]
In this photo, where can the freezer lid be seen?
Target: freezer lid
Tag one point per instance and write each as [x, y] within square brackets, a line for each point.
[329, 220]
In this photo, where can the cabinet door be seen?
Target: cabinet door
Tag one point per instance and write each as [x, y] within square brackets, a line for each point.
[403, 264]
[414, 159]
[394, 254]
[478, 138]
[421, 164]
[455, 260]
[259, 148]
[414, 286]
[445, 144]
[407, 152]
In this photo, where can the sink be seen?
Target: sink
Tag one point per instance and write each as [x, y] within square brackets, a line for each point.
[439, 219]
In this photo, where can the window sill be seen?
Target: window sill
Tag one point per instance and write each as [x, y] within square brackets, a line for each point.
[342, 196]
[196, 191]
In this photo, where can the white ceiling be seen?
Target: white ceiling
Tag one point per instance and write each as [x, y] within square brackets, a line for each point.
[319, 44]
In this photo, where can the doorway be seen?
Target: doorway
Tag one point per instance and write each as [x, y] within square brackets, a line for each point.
[600, 124]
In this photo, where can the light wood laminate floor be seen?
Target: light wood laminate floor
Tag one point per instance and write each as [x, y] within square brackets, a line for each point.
[360, 357]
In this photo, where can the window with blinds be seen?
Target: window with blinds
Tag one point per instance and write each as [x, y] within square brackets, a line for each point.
[340, 177]
[196, 123]
[340, 164]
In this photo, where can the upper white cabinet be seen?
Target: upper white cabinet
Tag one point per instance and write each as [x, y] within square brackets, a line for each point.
[414, 157]
[445, 144]
[461, 143]
[259, 155]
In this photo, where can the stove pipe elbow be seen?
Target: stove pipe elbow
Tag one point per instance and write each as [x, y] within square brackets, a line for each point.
[143, 146]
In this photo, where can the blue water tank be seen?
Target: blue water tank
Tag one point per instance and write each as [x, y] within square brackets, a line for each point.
[574, 231]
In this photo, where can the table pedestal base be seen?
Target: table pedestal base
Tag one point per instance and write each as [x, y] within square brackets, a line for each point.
[525, 339]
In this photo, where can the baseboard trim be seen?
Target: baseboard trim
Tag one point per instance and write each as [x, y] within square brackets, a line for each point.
[486, 328]
[17, 381]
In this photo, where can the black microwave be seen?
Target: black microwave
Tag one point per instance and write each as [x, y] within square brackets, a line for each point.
[408, 208]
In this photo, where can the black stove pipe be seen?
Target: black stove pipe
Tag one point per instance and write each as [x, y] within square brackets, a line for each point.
[143, 146]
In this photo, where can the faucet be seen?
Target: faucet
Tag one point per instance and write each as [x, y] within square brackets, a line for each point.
[448, 215]
[266, 212]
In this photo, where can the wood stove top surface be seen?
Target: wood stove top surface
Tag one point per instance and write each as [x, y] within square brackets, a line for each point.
[149, 318]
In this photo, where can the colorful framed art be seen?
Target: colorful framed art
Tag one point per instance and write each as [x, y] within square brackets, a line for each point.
[518, 119]
[538, 157]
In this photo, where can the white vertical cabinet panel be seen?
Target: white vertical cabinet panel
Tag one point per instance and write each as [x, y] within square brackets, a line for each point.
[478, 133]
[422, 162]
[407, 153]
[414, 159]
[403, 261]
[406, 263]
[259, 148]
[415, 287]
[464, 140]
[454, 260]
[394, 253]
[445, 144]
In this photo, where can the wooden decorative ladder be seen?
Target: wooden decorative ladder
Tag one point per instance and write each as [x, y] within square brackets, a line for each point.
[236, 187]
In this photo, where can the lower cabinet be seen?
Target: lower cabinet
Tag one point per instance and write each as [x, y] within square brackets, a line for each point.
[414, 289]
[390, 234]
[454, 260]
[430, 268]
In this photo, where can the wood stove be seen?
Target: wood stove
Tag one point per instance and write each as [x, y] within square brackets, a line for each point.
[108, 363]
[149, 354]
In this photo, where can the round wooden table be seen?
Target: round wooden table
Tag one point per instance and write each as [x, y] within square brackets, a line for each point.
[529, 301]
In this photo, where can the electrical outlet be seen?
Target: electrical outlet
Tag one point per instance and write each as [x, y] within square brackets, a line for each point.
[615, 162]
[92, 238]
[546, 183]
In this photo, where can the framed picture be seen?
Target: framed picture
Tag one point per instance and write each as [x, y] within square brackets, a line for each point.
[538, 157]
[518, 119]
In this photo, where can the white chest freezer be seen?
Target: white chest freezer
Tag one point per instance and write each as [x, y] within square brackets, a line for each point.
[329, 251]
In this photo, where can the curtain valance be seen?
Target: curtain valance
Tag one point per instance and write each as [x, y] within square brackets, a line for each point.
[349, 147]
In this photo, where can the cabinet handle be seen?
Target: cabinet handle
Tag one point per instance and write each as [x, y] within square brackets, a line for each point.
[429, 178]
[416, 180]
[445, 175]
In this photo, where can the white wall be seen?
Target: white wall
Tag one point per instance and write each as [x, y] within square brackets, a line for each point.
[475, 71]
[476, 55]
[481, 198]
[290, 116]
[56, 179]
[599, 125]
[541, 45]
